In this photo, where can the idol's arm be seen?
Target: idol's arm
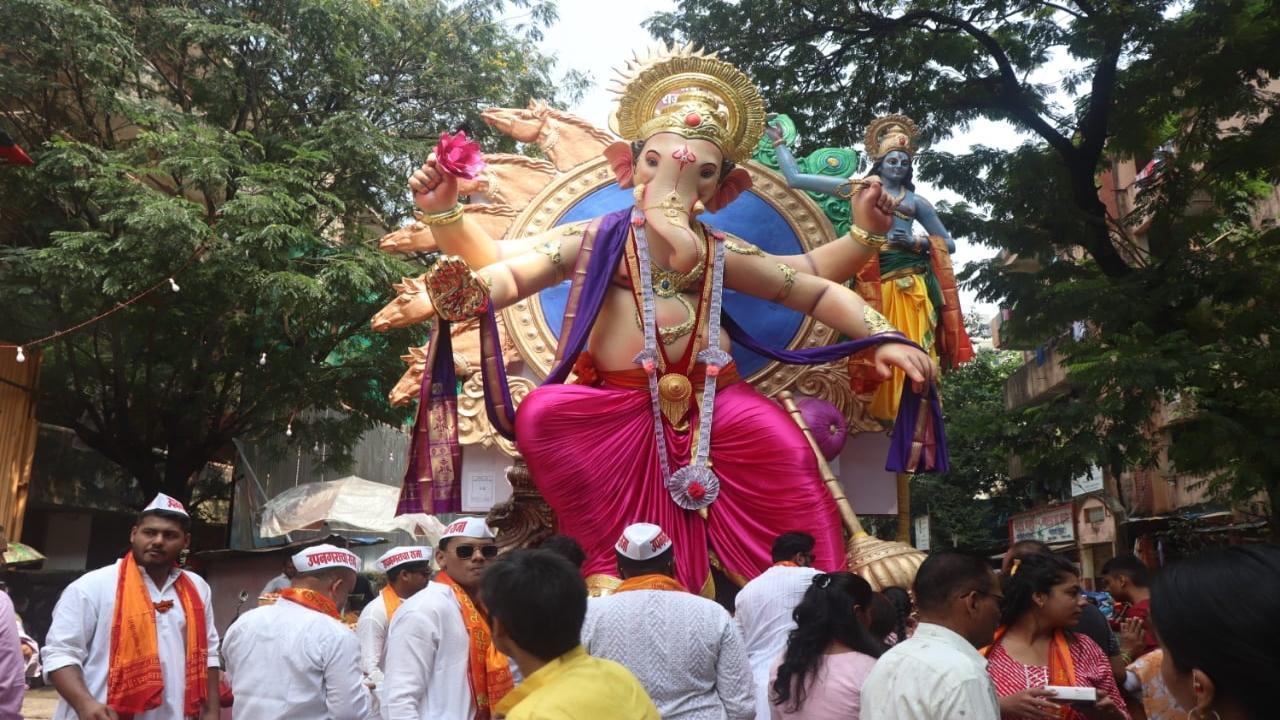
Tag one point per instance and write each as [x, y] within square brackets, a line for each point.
[928, 217]
[844, 258]
[467, 240]
[552, 256]
[837, 261]
[797, 180]
[829, 303]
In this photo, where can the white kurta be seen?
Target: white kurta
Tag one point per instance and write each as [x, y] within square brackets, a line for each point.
[80, 635]
[427, 650]
[289, 661]
[685, 650]
[763, 612]
[371, 631]
[933, 675]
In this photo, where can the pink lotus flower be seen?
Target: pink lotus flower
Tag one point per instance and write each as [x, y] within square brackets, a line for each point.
[458, 156]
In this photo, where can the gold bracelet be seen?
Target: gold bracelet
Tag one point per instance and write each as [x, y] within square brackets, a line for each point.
[788, 280]
[551, 249]
[452, 215]
[876, 323]
[867, 239]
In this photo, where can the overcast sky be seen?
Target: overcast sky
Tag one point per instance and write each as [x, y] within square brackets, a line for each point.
[594, 37]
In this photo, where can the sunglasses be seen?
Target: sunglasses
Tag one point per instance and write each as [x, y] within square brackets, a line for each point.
[489, 552]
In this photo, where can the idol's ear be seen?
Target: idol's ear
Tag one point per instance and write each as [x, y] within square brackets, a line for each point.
[619, 156]
[734, 184]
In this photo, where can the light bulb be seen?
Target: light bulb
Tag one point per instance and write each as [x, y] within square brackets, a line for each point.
[262, 360]
[21, 356]
[288, 430]
[173, 285]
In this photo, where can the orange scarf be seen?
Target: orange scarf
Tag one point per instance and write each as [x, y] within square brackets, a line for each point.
[651, 582]
[135, 681]
[1062, 671]
[313, 600]
[488, 671]
[391, 601]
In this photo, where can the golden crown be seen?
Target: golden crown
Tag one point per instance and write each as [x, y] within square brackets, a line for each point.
[889, 133]
[684, 91]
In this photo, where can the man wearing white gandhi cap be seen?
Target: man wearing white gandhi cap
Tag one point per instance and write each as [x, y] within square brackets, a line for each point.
[296, 658]
[685, 649]
[408, 568]
[440, 661]
[137, 637]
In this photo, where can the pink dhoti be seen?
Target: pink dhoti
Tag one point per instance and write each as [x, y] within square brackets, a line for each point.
[591, 452]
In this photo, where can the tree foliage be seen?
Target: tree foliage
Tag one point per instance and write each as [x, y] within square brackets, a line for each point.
[267, 142]
[966, 504]
[1178, 297]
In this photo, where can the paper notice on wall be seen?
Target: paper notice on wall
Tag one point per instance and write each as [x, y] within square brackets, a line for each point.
[479, 492]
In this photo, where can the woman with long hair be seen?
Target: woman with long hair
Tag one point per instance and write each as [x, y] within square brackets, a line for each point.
[1217, 617]
[905, 610]
[1034, 646]
[830, 653]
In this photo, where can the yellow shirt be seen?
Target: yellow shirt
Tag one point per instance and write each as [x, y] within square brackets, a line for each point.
[576, 686]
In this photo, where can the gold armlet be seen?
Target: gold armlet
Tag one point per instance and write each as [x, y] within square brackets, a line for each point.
[788, 282]
[742, 248]
[452, 215]
[867, 239]
[876, 323]
[551, 248]
[456, 292]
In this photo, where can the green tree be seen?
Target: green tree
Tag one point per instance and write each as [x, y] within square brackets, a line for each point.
[1177, 299]
[250, 150]
[965, 504]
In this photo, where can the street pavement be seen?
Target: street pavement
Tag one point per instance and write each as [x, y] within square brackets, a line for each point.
[40, 704]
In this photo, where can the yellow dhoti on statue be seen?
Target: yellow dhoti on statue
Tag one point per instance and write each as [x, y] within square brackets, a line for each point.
[905, 303]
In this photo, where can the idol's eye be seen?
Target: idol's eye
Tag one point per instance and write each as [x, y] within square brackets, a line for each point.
[651, 159]
[708, 172]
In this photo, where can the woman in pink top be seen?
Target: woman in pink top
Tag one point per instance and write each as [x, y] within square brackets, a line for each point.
[819, 675]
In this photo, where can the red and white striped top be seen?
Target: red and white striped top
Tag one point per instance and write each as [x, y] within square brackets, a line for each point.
[1091, 666]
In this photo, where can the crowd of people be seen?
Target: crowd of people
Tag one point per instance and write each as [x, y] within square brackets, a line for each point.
[517, 637]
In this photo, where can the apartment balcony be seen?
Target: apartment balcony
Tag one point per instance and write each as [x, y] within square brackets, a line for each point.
[1041, 378]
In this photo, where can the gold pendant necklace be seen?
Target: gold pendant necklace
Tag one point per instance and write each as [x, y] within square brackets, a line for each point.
[670, 283]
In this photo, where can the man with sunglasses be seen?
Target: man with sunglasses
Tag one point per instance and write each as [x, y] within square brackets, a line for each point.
[408, 569]
[440, 659]
[764, 606]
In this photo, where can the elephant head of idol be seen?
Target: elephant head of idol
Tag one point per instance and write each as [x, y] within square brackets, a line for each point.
[687, 120]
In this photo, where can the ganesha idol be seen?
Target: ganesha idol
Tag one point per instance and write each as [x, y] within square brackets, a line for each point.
[658, 425]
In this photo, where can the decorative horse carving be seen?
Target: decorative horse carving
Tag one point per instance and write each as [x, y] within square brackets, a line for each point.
[510, 180]
[410, 307]
[567, 140]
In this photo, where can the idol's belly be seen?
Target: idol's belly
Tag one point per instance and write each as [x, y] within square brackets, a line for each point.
[617, 337]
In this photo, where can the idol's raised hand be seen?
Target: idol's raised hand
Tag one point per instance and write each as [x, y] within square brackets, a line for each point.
[872, 206]
[434, 191]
